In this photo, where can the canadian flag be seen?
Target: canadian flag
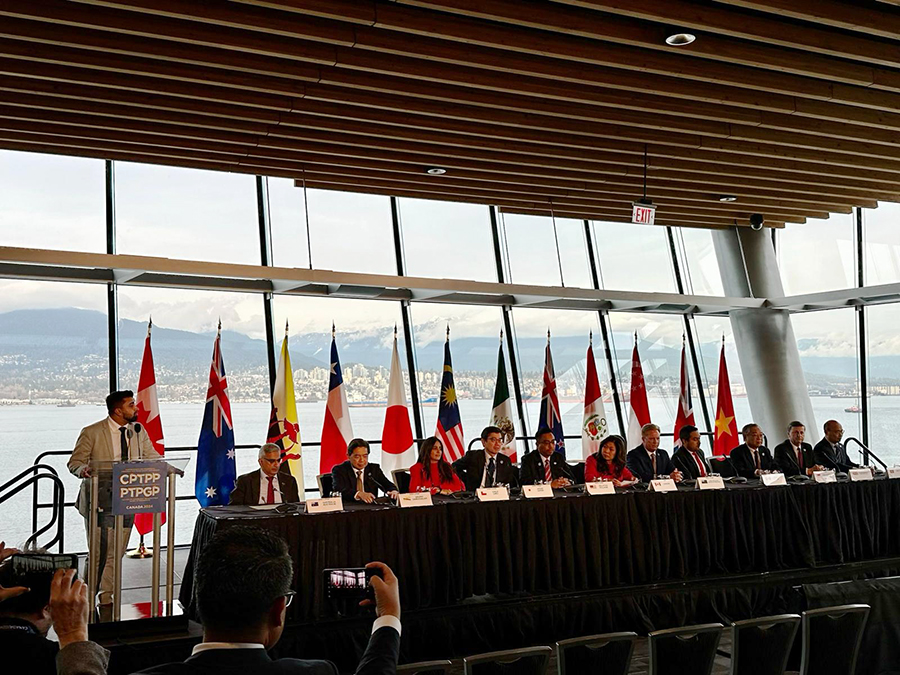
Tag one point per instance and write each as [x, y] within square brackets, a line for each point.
[398, 451]
[639, 410]
[148, 416]
[685, 414]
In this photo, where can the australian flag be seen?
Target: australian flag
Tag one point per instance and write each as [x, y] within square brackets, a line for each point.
[550, 417]
[216, 470]
[449, 424]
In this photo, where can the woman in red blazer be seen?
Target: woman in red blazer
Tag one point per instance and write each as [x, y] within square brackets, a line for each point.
[432, 471]
[608, 463]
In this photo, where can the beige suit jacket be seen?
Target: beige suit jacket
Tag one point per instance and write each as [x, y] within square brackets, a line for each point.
[95, 444]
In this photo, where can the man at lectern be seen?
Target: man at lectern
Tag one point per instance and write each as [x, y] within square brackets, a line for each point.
[116, 438]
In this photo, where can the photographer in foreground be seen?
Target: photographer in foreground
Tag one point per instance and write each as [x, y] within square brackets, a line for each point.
[243, 590]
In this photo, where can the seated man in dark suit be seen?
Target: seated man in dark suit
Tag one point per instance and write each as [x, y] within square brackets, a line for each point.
[268, 485]
[689, 458]
[487, 467]
[830, 452]
[751, 457]
[647, 461]
[793, 457]
[357, 479]
[546, 465]
[243, 579]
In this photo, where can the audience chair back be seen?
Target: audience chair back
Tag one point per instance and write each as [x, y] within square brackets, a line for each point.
[401, 479]
[831, 639]
[325, 483]
[690, 650]
[578, 472]
[608, 654]
[528, 661]
[426, 668]
[762, 646]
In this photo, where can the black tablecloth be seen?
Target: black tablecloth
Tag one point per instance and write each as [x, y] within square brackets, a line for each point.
[459, 549]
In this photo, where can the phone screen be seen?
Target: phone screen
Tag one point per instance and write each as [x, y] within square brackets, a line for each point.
[347, 582]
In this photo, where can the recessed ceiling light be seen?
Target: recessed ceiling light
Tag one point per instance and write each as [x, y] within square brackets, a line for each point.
[435, 171]
[680, 39]
[727, 198]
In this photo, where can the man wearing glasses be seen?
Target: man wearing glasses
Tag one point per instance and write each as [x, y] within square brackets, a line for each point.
[242, 586]
[267, 485]
[487, 467]
[546, 465]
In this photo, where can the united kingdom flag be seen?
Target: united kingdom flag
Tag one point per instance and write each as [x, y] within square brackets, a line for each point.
[550, 417]
[216, 470]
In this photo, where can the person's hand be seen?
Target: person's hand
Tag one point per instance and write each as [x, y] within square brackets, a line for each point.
[616, 482]
[560, 482]
[676, 476]
[13, 591]
[85, 472]
[366, 497]
[445, 491]
[387, 591]
[394, 494]
[69, 607]
[6, 552]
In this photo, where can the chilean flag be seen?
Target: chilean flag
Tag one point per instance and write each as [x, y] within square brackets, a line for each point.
[639, 414]
[397, 448]
[337, 431]
[685, 414]
[148, 416]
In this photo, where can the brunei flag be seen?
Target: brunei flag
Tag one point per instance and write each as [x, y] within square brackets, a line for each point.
[284, 428]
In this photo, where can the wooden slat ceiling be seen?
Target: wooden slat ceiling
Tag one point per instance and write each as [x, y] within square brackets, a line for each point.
[536, 106]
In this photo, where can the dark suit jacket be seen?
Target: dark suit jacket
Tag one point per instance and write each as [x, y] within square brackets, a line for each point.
[684, 462]
[531, 469]
[470, 468]
[744, 464]
[824, 455]
[638, 462]
[246, 492]
[344, 477]
[25, 650]
[786, 459]
[380, 658]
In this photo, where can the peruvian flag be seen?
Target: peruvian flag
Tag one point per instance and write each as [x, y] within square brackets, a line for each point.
[685, 413]
[336, 432]
[639, 410]
[397, 448]
[726, 427]
[594, 426]
[148, 416]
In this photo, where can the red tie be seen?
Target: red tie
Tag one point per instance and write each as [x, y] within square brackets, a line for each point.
[270, 493]
[699, 464]
[547, 469]
[800, 458]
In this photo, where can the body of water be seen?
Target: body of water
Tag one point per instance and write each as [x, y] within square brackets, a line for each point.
[27, 431]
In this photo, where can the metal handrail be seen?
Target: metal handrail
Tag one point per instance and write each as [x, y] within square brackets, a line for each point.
[58, 505]
[866, 453]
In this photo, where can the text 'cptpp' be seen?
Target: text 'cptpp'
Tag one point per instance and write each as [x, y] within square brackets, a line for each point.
[139, 484]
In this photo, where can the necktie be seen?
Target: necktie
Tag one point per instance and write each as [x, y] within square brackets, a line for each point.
[123, 444]
[800, 458]
[270, 493]
[699, 464]
[547, 470]
[837, 451]
[653, 459]
[359, 481]
[490, 473]
[756, 458]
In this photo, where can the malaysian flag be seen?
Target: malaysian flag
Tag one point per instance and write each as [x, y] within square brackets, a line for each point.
[216, 470]
[449, 424]
[550, 417]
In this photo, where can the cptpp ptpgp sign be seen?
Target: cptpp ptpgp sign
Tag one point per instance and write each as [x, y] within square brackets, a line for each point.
[138, 487]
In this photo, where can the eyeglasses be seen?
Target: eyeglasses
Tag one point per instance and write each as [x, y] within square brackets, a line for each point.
[547, 443]
[271, 461]
[289, 598]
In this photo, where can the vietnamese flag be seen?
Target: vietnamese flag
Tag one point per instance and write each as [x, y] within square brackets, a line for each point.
[639, 407]
[398, 450]
[726, 427]
[337, 431]
[148, 416]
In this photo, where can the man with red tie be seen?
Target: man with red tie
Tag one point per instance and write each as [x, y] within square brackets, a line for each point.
[794, 457]
[546, 465]
[267, 485]
[689, 457]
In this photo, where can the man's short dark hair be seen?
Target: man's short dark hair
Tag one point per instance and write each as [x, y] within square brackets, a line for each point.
[115, 399]
[240, 573]
[357, 443]
[685, 432]
[487, 431]
[28, 603]
[543, 431]
[794, 425]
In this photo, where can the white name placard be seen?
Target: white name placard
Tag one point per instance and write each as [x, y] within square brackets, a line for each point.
[824, 476]
[538, 491]
[604, 487]
[893, 472]
[411, 499]
[663, 485]
[710, 483]
[493, 494]
[770, 479]
[860, 474]
[324, 505]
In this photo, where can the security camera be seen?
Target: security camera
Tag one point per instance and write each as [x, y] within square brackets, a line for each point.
[756, 221]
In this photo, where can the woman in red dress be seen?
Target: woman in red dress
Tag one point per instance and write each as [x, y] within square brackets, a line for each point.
[432, 471]
[608, 463]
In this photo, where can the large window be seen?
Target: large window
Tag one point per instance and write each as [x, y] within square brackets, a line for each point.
[53, 202]
[697, 261]
[881, 234]
[545, 251]
[709, 332]
[818, 255]
[633, 257]
[884, 381]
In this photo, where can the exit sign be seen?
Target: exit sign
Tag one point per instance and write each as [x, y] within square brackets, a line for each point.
[643, 214]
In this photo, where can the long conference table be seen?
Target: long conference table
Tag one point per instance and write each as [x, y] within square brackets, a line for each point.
[460, 548]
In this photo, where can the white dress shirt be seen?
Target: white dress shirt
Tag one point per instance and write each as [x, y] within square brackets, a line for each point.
[487, 461]
[116, 439]
[264, 488]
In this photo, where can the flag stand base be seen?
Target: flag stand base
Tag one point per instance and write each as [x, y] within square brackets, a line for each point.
[141, 551]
